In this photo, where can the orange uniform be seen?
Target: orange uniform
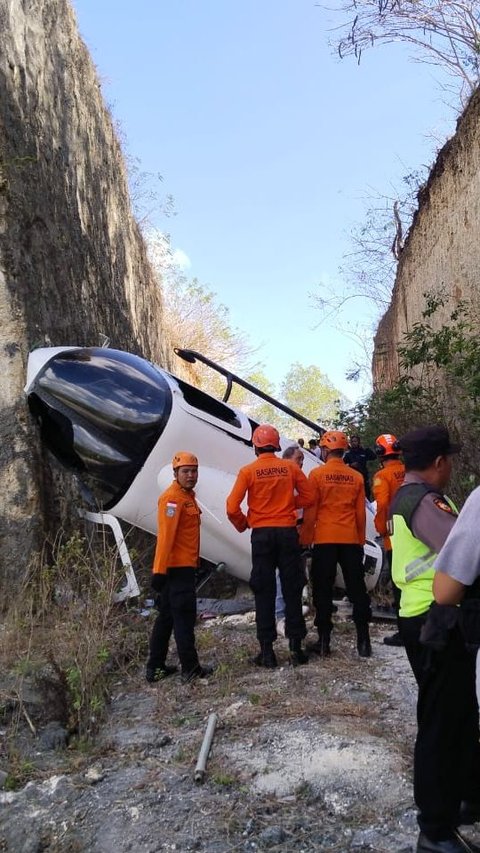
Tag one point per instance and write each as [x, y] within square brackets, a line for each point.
[270, 483]
[178, 538]
[338, 513]
[386, 482]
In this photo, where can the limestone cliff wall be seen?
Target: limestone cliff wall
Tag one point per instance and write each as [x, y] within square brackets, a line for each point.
[442, 253]
[72, 261]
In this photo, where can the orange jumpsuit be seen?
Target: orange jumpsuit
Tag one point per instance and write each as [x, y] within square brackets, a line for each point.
[271, 484]
[335, 524]
[275, 489]
[386, 482]
[178, 538]
[338, 512]
[174, 564]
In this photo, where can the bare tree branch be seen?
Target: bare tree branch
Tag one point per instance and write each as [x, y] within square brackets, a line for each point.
[443, 32]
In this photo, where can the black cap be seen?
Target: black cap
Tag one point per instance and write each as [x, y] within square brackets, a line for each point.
[420, 447]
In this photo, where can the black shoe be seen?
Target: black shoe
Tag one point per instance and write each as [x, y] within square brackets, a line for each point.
[197, 672]
[469, 813]
[158, 673]
[393, 640]
[364, 648]
[454, 844]
[266, 658]
[297, 655]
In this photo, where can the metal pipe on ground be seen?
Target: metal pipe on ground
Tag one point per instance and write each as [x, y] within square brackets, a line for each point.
[200, 769]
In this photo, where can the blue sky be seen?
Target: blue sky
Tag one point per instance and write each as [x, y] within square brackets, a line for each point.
[269, 145]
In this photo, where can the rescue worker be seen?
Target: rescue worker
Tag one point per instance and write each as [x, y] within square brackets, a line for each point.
[447, 754]
[386, 482]
[275, 488]
[335, 525]
[173, 578]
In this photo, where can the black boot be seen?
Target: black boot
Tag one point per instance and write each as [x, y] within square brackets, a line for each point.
[197, 672]
[266, 657]
[456, 843]
[158, 673]
[297, 655]
[393, 640]
[364, 647]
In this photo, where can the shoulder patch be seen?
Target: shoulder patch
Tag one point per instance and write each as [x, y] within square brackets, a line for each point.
[377, 481]
[171, 509]
[441, 504]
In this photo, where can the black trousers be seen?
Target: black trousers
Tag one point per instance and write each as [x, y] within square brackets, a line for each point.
[322, 575]
[272, 548]
[177, 612]
[447, 750]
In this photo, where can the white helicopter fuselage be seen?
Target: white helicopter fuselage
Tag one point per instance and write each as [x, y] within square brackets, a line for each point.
[87, 399]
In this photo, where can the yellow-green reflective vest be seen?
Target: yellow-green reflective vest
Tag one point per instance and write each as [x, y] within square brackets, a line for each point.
[412, 560]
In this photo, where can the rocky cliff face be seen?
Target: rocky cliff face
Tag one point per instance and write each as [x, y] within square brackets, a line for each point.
[442, 253]
[73, 265]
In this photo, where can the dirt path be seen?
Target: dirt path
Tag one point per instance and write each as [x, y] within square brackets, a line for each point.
[316, 758]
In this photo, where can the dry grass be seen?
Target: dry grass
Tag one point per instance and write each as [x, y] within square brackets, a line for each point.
[64, 636]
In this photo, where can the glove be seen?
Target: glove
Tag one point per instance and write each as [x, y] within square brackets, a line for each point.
[158, 582]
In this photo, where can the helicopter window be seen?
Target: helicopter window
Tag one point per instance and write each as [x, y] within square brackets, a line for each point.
[199, 400]
[101, 413]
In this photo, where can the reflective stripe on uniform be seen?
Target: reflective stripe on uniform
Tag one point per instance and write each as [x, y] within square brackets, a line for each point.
[419, 566]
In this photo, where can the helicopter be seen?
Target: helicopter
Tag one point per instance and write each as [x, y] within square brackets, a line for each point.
[116, 420]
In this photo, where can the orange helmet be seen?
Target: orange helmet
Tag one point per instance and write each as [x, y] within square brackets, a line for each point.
[387, 445]
[183, 457]
[266, 435]
[334, 440]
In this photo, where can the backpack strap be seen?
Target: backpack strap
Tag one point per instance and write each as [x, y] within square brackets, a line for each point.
[406, 501]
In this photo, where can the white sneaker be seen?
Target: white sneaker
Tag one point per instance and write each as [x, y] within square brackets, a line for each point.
[281, 627]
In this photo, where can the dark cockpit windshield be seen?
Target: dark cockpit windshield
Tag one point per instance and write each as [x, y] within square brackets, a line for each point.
[101, 411]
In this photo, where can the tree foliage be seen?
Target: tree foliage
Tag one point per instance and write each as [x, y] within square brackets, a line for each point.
[439, 383]
[311, 393]
[442, 32]
[195, 319]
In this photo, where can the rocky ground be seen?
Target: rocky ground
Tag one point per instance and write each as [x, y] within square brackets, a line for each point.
[316, 758]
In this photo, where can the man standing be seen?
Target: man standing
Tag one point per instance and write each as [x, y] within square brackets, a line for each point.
[313, 447]
[335, 524]
[275, 488]
[175, 561]
[421, 518]
[386, 483]
[357, 457]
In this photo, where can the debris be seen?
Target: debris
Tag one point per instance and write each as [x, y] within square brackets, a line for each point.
[224, 606]
[205, 749]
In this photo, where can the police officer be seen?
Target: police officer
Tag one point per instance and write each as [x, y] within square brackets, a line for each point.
[335, 524]
[447, 754]
[386, 482]
[275, 488]
[175, 561]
